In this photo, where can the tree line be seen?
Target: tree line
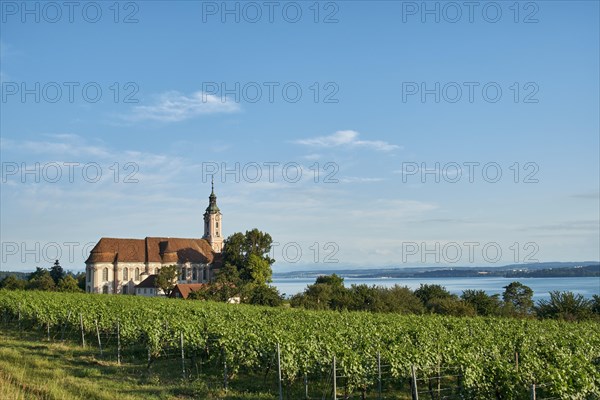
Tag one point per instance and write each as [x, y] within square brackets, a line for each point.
[246, 274]
[329, 293]
[54, 279]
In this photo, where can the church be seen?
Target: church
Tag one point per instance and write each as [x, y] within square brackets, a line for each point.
[117, 266]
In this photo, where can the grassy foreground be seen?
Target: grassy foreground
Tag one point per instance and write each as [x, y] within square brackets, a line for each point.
[32, 369]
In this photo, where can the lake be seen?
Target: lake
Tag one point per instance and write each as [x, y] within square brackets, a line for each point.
[541, 287]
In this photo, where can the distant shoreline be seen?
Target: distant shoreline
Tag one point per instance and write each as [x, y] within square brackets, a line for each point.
[539, 270]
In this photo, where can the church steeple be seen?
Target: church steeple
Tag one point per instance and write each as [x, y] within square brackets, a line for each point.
[212, 222]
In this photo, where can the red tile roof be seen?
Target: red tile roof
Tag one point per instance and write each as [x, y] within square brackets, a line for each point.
[153, 249]
[184, 289]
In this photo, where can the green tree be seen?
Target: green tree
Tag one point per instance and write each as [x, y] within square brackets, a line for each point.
[315, 297]
[565, 305]
[427, 293]
[518, 299]
[452, 306]
[57, 272]
[166, 279]
[11, 282]
[402, 300]
[68, 284]
[244, 252]
[264, 295]
[327, 293]
[484, 304]
[258, 270]
[333, 280]
[365, 298]
[41, 280]
[39, 272]
[80, 277]
[596, 304]
[215, 292]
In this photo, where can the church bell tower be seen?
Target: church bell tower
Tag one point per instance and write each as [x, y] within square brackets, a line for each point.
[213, 229]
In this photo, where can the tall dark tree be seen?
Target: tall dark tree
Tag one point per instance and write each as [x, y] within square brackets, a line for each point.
[596, 304]
[80, 277]
[39, 272]
[57, 272]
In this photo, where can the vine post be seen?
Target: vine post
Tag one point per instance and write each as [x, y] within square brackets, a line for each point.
[279, 372]
[305, 385]
[415, 391]
[224, 371]
[533, 391]
[82, 333]
[379, 375]
[64, 326]
[98, 336]
[334, 380]
[182, 355]
[118, 343]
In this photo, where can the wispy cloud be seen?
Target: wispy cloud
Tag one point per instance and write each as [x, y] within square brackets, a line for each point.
[358, 179]
[591, 226]
[63, 148]
[587, 196]
[63, 144]
[347, 138]
[392, 209]
[174, 106]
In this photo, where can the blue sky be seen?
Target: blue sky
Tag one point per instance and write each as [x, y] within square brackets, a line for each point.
[389, 98]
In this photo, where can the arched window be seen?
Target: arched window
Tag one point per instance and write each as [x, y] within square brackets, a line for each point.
[137, 274]
[125, 274]
[183, 274]
[125, 289]
[194, 273]
[105, 274]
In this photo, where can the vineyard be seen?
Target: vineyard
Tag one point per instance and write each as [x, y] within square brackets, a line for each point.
[307, 354]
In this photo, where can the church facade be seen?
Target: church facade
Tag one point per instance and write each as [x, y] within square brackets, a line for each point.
[117, 266]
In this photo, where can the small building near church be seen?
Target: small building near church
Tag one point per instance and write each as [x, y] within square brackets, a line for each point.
[119, 266]
[183, 290]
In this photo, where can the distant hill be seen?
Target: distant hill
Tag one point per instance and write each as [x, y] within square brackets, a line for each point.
[547, 269]
[579, 271]
[19, 275]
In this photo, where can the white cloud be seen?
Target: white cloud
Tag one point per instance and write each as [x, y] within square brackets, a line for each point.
[174, 106]
[63, 144]
[347, 138]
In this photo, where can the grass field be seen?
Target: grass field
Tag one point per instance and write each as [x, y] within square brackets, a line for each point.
[34, 369]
